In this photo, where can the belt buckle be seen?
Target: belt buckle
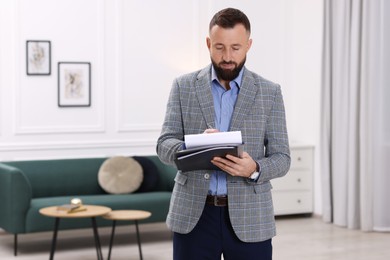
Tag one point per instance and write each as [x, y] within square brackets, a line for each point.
[216, 202]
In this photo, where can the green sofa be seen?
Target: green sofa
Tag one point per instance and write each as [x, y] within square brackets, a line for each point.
[27, 186]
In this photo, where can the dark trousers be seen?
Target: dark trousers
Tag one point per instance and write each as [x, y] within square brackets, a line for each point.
[213, 236]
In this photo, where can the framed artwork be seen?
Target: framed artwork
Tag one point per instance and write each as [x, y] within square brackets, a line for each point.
[38, 57]
[74, 84]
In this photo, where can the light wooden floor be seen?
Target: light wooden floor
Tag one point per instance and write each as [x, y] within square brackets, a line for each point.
[300, 238]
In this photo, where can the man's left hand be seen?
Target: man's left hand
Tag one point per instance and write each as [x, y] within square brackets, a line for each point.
[236, 166]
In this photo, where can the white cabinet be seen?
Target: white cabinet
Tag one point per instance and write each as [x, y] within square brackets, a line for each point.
[293, 193]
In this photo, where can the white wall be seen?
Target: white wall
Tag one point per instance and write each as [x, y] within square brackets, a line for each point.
[136, 48]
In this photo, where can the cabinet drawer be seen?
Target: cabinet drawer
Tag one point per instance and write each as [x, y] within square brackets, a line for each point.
[292, 202]
[301, 158]
[294, 180]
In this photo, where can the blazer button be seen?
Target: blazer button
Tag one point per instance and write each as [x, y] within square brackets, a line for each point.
[207, 176]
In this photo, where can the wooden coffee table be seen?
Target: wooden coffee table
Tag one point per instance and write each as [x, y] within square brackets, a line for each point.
[91, 211]
[132, 215]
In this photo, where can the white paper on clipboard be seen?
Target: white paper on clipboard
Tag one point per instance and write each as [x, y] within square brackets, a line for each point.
[192, 141]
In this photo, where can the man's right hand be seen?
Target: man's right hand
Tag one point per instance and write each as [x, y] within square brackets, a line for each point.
[210, 131]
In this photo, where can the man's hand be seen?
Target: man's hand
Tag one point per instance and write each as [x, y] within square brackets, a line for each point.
[236, 166]
[210, 131]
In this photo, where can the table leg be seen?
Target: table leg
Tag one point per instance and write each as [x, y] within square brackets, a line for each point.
[15, 244]
[97, 241]
[111, 239]
[138, 239]
[54, 240]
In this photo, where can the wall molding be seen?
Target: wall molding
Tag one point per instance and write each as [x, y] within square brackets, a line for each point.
[2, 81]
[98, 86]
[58, 129]
[138, 128]
[128, 127]
[79, 145]
[62, 150]
[122, 127]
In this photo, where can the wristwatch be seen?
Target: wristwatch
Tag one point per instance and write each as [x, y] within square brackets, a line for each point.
[255, 175]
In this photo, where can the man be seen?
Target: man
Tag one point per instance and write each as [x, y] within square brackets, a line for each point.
[227, 212]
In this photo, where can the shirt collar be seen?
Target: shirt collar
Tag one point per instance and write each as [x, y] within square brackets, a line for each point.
[237, 80]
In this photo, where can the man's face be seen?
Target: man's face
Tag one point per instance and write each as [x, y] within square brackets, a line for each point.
[228, 48]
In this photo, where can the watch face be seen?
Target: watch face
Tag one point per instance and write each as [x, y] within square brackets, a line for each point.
[254, 175]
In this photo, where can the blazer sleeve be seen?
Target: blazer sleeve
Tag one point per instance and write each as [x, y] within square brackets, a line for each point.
[276, 161]
[172, 134]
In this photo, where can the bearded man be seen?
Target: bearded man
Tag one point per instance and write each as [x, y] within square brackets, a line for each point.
[227, 212]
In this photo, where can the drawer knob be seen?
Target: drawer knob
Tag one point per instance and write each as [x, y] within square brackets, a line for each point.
[299, 179]
[299, 201]
[299, 159]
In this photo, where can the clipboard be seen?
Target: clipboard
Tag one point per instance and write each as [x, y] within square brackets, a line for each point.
[199, 158]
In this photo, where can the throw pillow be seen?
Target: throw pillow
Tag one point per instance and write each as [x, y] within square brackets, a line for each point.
[120, 175]
[151, 175]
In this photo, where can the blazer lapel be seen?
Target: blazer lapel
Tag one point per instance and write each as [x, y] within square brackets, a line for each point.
[245, 100]
[205, 97]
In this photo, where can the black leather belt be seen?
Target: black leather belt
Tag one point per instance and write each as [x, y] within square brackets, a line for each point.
[219, 201]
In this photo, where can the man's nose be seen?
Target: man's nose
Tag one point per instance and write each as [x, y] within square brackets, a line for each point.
[227, 55]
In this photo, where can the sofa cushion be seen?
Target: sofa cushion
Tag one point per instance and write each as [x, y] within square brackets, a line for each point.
[120, 175]
[62, 177]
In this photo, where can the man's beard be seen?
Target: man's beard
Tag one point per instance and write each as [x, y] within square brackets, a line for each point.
[227, 75]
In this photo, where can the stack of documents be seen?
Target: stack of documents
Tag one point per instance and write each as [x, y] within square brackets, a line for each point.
[201, 148]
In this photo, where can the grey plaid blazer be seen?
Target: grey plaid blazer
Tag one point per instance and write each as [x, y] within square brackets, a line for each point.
[259, 114]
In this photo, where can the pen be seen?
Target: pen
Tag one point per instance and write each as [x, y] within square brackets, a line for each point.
[209, 129]
[209, 126]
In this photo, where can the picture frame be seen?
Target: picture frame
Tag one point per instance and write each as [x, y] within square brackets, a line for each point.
[38, 57]
[74, 84]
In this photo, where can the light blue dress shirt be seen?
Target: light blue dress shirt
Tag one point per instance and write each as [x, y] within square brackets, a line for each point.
[224, 102]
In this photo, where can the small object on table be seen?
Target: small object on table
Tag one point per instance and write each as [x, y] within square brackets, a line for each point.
[76, 201]
[76, 205]
[69, 208]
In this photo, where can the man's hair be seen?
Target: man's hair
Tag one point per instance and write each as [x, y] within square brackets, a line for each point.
[230, 17]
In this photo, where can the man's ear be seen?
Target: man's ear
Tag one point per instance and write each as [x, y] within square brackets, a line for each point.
[208, 42]
[249, 44]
